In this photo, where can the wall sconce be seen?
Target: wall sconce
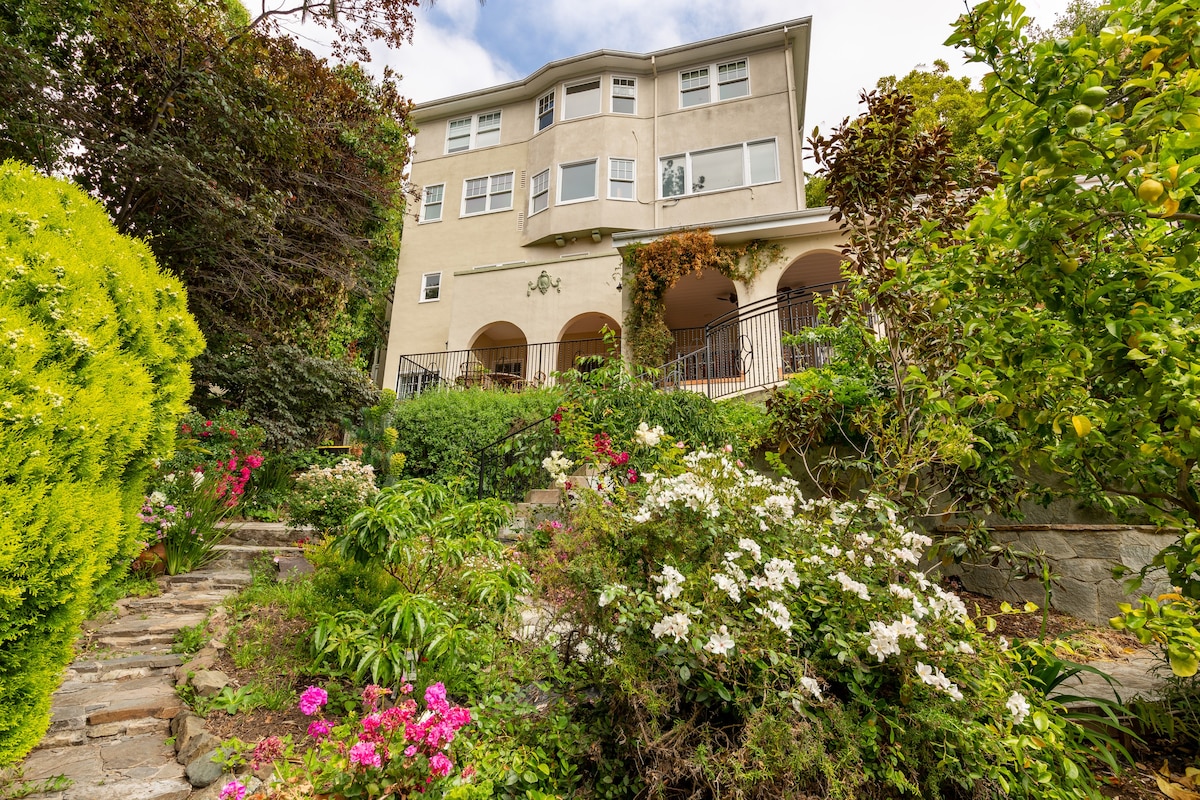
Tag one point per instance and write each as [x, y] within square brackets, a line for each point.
[619, 287]
[560, 241]
[596, 236]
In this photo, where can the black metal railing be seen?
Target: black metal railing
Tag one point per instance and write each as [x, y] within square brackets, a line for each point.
[512, 465]
[512, 367]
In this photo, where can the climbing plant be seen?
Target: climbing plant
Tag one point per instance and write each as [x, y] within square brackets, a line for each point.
[652, 268]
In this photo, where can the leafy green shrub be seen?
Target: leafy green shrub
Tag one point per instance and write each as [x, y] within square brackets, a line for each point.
[94, 350]
[440, 431]
[757, 644]
[296, 397]
[452, 581]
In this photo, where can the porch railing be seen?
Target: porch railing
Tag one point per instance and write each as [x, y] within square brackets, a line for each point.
[506, 367]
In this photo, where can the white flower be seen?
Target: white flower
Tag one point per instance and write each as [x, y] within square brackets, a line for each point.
[779, 615]
[750, 546]
[197, 478]
[775, 574]
[811, 686]
[779, 507]
[953, 690]
[671, 580]
[158, 498]
[902, 592]
[884, 641]
[728, 585]
[648, 436]
[675, 625]
[852, 586]
[1018, 706]
[925, 673]
[169, 477]
[557, 466]
[720, 642]
[965, 647]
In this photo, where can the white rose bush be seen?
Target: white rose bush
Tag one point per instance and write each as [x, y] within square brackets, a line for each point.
[787, 646]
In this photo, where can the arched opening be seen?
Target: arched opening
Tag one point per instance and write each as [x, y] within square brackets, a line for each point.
[581, 343]
[498, 352]
[810, 275]
[693, 302]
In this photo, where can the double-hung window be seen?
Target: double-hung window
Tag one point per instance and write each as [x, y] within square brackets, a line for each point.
[731, 167]
[431, 287]
[487, 194]
[545, 111]
[431, 206]
[620, 179]
[624, 95]
[733, 80]
[696, 85]
[577, 182]
[468, 133]
[581, 99]
[539, 192]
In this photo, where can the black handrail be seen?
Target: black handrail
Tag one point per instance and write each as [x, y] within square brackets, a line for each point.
[495, 464]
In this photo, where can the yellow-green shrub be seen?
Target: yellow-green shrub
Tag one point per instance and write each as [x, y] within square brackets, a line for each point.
[94, 351]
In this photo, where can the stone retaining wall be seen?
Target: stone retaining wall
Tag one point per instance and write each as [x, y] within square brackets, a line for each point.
[1082, 558]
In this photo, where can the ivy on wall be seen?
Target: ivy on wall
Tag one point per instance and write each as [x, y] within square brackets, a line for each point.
[652, 268]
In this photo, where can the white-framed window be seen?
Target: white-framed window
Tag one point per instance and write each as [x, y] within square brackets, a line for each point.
[581, 99]
[487, 194]
[621, 179]
[411, 384]
[539, 192]
[577, 182]
[696, 85]
[693, 87]
[730, 167]
[733, 80]
[624, 95]
[469, 133]
[431, 287]
[431, 204]
[545, 111]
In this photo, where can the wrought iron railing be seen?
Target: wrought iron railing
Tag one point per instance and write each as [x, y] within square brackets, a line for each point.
[512, 465]
[505, 367]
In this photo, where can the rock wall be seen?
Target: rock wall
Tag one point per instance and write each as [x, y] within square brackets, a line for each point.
[1081, 557]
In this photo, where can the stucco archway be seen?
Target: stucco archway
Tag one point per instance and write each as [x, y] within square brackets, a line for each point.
[581, 338]
[498, 348]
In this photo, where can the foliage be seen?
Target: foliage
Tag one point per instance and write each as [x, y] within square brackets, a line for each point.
[452, 578]
[892, 186]
[269, 180]
[327, 497]
[378, 438]
[751, 640]
[190, 494]
[439, 431]
[297, 398]
[652, 268]
[945, 101]
[815, 195]
[395, 750]
[95, 349]
[1091, 15]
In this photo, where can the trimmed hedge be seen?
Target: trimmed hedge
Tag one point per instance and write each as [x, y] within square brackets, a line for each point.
[94, 351]
[439, 431]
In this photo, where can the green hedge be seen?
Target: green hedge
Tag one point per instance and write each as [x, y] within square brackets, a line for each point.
[439, 431]
[94, 351]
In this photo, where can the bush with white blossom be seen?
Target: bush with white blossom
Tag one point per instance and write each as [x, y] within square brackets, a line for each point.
[773, 646]
[326, 497]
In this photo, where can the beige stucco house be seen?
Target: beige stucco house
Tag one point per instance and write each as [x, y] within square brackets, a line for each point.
[511, 263]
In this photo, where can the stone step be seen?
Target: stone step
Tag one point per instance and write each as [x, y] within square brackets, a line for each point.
[182, 600]
[123, 668]
[543, 497]
[214, 576]
[266, 534]
[140, 767]
[145, 630]
[244, 555]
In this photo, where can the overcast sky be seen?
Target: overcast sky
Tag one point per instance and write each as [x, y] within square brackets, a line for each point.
[459, 45]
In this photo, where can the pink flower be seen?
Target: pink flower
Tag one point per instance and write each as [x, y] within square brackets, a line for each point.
[410, 751]
[435, 697]
[406, 688]
[632, 475]
[371, 722]
[313, 698]
[458, 716]
[233, 790]
[266, 751]
[372, 693]
[440, 765]
[254, 461]
[319, 728]
[364, 753]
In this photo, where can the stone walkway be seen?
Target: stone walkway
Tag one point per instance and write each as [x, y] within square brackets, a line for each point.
[111, 731]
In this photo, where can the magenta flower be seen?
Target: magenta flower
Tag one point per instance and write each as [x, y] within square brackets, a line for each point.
[313, 698]
[435, 697]
[233, 790]
[319, 728]
[410, 751]
[440, 765]
[364, 753]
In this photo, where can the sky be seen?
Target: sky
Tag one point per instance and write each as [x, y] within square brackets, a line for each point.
[462, 45]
